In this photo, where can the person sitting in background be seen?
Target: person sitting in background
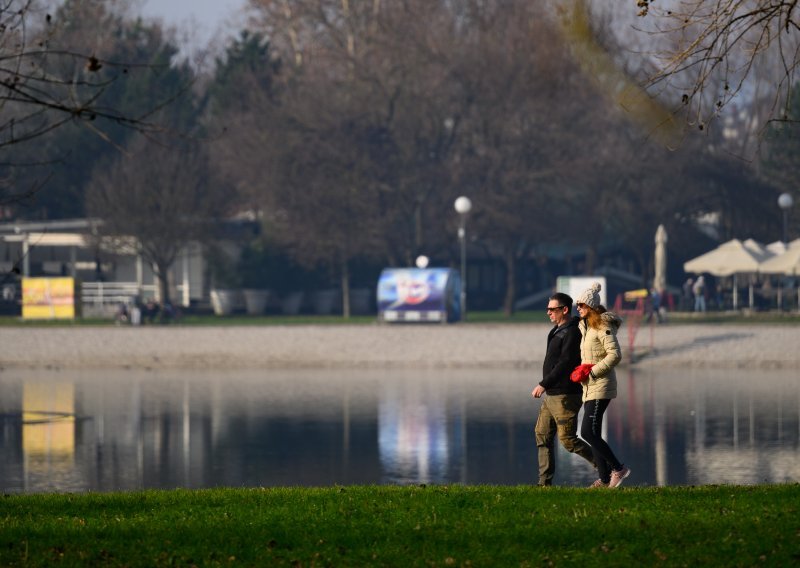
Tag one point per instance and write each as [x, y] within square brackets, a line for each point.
[122, 315]
[168, 313]
[150, 311]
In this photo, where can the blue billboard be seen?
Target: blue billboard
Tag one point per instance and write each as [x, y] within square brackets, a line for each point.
[419, 294]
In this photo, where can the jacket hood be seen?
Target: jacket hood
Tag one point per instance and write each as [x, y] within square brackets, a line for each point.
[611, 320]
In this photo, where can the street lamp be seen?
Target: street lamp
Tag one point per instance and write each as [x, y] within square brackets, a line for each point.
[463, 206]
[785, 202]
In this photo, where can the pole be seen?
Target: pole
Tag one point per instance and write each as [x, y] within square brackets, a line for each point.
[26, 257]
[462, 237]
[785, 202]
[463, 206]
[785, 225]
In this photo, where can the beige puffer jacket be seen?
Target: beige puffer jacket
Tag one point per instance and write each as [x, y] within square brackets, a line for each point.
[601, 348]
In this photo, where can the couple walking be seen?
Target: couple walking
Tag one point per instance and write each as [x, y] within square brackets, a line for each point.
[579, 368]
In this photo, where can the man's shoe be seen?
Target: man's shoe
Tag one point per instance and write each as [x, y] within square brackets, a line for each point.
[617, 477]
[598, 483]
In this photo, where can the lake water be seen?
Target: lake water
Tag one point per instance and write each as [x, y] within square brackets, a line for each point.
[125, 430]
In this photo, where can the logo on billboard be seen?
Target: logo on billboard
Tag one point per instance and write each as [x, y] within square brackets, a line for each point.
[412, 291]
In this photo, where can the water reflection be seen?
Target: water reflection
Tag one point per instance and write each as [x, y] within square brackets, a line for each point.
[48, 429]
[67, 431]
[418, 435]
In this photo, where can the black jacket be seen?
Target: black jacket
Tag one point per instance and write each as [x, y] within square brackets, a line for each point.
[563, 355]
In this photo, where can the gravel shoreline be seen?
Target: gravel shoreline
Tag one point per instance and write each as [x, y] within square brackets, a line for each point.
[357, 346]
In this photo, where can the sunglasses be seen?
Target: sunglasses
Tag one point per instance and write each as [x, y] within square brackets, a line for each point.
[581, 306]
[549, 309]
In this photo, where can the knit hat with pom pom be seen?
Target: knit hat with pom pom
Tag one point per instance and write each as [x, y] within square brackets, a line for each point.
[590, 296]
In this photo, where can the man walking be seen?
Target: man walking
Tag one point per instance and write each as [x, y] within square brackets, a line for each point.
[562, 401]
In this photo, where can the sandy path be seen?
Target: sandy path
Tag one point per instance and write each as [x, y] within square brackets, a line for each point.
[498, 345]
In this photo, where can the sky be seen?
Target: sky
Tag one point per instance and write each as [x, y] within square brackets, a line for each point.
[202, 20]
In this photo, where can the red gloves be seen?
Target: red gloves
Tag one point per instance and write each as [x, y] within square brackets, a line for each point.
[581, 373]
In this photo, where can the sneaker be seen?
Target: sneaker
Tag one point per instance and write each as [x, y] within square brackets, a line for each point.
[598, 483]
[617, 477]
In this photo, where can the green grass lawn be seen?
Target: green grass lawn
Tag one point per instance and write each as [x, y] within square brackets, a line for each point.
[407, 526]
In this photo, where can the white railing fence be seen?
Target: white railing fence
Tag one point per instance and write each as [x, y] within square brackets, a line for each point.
[104, 293]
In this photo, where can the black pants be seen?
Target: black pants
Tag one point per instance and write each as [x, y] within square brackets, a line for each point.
[591, 429]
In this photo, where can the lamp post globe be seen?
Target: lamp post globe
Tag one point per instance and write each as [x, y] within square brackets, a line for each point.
[785, 202]
[463, 205]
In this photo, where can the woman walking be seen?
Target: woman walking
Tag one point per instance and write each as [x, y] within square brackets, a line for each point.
[600, 353]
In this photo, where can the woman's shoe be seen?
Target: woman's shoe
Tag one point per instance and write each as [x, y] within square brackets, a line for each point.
[617, 477]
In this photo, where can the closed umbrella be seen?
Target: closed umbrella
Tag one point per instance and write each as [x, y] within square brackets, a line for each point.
[660, 278]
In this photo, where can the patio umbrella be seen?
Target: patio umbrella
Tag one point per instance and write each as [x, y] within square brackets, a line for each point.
[731, 259]
[660, 278]
[757, 248]
[777, 247]
[787, 263]
[761, 251]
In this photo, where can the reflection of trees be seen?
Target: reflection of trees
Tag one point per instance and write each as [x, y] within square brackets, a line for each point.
[326, 427]
[299, 429]
[736, 430]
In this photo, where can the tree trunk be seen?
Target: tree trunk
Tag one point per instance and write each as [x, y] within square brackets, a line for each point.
[591, 258]
[417, 229]
[162, 273]
[345, 289]
[511, 283]
[647, 267]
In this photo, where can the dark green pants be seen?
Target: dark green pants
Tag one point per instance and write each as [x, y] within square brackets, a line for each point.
[558, 416]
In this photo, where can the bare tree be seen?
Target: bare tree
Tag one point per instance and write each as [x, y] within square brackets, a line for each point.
[299, 157]
[159, 196]
[391, 110]
[716, 48]
[508, 113]
[642, 186]
[360, 135]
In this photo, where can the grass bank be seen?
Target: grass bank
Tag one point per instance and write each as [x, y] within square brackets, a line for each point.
[406, 526]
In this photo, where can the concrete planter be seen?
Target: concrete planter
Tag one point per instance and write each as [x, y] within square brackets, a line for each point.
[255, 301]
[292, 303]
[327, 301]
[224, 301]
